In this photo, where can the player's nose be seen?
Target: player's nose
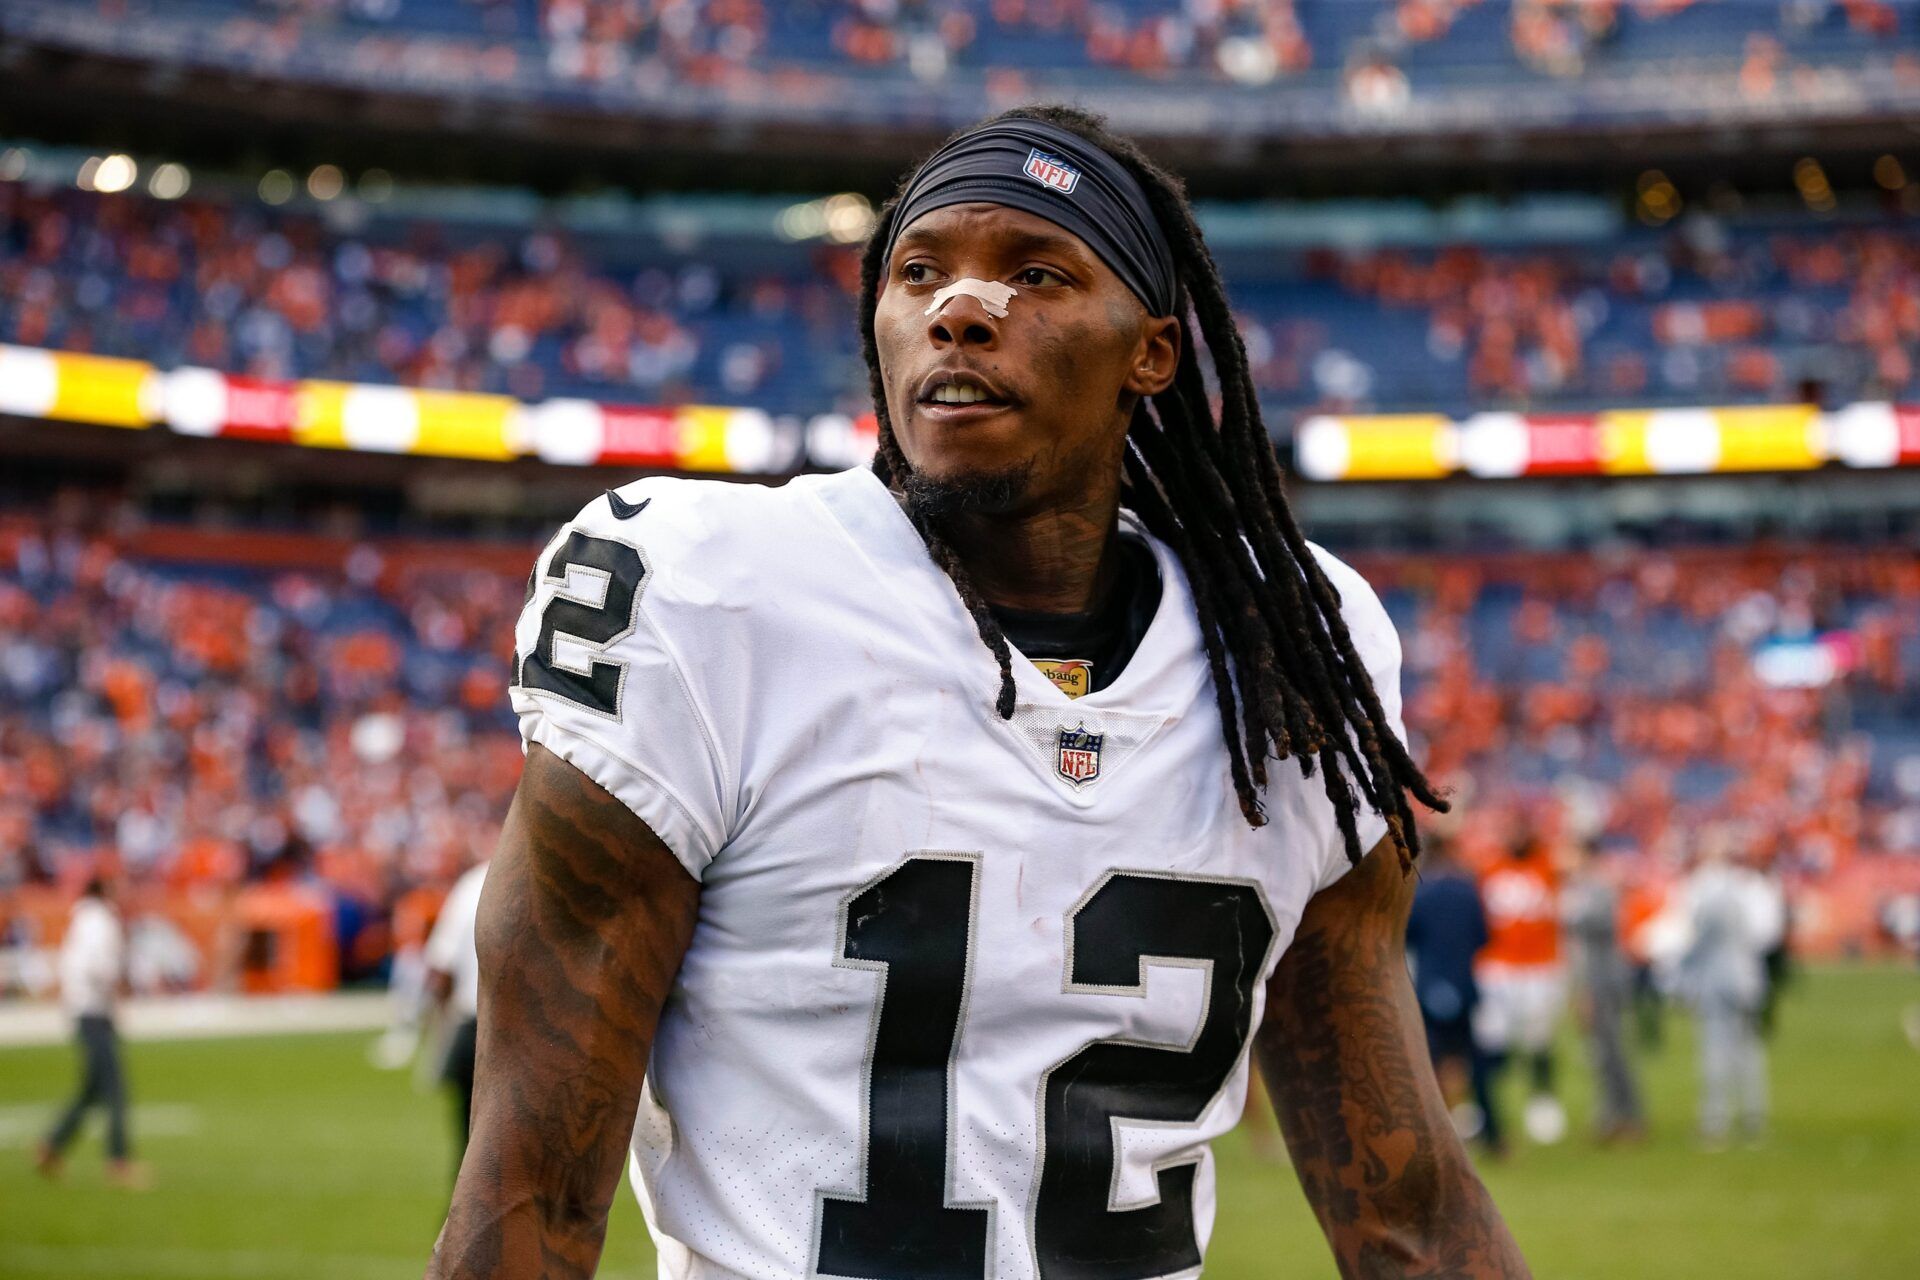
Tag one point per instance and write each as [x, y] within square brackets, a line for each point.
[963, 321]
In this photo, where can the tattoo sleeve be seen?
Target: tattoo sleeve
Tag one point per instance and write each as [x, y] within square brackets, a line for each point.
[583, 923]
[1345, 1059]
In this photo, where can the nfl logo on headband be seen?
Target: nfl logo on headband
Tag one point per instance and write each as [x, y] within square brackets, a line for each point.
[1052, 172]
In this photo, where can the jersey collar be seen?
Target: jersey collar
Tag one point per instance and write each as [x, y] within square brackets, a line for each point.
[1165, 676]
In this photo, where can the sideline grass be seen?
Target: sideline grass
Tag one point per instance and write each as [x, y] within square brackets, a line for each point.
[291, 1157]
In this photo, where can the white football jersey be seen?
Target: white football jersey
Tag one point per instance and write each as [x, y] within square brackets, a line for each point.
[968, 997]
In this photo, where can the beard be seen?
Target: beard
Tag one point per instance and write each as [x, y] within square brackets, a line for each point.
[938, 499]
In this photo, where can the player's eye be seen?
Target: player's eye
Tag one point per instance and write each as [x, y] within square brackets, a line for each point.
[916, 273]
[1037, 277]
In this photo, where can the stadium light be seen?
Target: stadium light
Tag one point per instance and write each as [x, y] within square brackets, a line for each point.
[326, 182]
[376, 185]
[1889, 173]
[13, 164]
[276, 186]
[169, 182]
[849, 218]
[846, 218]
[115, 174]
[1811, 179]
[106, 174]
[1659, 199]
[803, 221]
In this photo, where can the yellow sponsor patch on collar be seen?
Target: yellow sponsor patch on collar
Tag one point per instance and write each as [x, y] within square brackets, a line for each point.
[1072, 676]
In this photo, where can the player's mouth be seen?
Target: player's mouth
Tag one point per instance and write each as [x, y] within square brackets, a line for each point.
[956, 395]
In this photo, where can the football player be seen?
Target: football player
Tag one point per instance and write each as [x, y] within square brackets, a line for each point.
[1523, 984]
[917, 961]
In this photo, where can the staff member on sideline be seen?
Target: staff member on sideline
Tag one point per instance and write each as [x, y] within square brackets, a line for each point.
[92, 962]
[453, 980]
[1603, 982]
[1733, 919]
[1446, 930]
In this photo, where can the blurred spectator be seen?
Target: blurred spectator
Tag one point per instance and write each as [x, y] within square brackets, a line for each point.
[1777, 962]
[1522, 978]
[1732, 918]
[1555, 36]
[1602, 987]
[1446, 931]
[453, 977]
[1641, 906]
[93, 959]
[1377, 87]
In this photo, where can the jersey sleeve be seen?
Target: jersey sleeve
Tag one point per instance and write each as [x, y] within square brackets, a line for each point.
[1378, 645]
[615, 659]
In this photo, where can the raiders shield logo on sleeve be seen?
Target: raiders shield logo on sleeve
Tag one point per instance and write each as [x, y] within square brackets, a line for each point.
[1079, 761]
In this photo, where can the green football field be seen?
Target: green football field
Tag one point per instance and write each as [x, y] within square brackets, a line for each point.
[291, 1157]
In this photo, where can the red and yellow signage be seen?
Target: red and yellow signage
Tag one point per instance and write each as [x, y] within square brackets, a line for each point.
[71, 387]
[1620, 442]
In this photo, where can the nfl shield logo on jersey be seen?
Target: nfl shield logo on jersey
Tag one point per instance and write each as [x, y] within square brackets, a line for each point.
[1050, 171]
[1079, 761]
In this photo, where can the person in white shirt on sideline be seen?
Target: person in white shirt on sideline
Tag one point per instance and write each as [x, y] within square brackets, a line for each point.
[92, 965]
[1733, 917]
[453, 982]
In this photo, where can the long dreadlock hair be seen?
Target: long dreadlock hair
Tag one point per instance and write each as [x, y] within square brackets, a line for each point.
[1285, 674]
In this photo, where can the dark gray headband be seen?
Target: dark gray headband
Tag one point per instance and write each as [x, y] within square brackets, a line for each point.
[1057, 175]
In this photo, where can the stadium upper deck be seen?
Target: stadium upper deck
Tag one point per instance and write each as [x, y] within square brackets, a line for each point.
[1225, 41]
[1268, 74]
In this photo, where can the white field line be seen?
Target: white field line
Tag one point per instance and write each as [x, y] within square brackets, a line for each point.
[201, 1017]
[21, 1126]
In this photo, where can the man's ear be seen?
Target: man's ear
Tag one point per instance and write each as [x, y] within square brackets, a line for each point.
[1156, 358]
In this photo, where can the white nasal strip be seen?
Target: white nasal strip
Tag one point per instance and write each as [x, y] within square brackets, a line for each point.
[993, 295]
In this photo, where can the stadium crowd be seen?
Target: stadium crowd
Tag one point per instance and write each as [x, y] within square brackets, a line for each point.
[1708, 310]
[200, 730]
[1649, 697]
[1246, 41]
[248, 290]
[195, 727]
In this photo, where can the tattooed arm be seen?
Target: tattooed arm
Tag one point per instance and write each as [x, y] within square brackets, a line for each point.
[583, 923]
[1345, 1059]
